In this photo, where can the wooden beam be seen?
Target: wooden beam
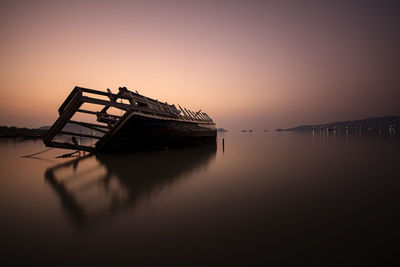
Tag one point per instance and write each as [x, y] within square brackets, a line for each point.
[70, 146]
[92, 91]
[80, 134]
[203, 117]
[188, 113]
[70, 98]
[68, 112]
[122, 106]
[147, 102]
[131, 98]
[111, 95]
[184, 113]
[88, 124]
[195, 115]
[191, 114]
[87, 111]
[159, 105]
[91, 126]
[199, 114]
[169, 107]
[209, 119]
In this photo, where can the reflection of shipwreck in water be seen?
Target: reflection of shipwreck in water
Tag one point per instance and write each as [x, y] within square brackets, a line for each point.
[93, 188]
[125, 121]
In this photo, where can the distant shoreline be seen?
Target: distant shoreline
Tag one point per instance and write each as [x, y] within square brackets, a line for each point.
[25, 133]
[387, 123]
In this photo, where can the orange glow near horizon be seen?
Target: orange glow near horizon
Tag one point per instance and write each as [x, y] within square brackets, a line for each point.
[246, 64]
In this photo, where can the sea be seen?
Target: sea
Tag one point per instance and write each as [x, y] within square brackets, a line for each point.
[251, 199]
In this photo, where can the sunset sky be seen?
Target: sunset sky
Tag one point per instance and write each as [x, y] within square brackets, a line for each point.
[248, 64]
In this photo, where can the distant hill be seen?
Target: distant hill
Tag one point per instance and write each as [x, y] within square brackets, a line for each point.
[369, 124]
[221, 130]
[12, 132]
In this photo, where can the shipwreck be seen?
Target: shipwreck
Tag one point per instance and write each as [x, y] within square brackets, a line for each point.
[95, 121]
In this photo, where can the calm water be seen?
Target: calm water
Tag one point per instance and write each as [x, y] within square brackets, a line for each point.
[277, 198]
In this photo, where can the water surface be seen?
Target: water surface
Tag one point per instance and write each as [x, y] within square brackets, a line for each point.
[275, 198]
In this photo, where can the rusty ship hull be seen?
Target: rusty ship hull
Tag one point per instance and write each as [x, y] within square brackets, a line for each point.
[142, 123]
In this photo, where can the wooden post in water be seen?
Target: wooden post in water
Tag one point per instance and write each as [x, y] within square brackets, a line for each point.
[223, 145]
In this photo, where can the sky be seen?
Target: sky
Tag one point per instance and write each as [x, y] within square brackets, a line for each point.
[248, 64]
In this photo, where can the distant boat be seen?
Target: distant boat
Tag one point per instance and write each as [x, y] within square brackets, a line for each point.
[244, 131]
[265, 130]
[140, 122]
[250, 131]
